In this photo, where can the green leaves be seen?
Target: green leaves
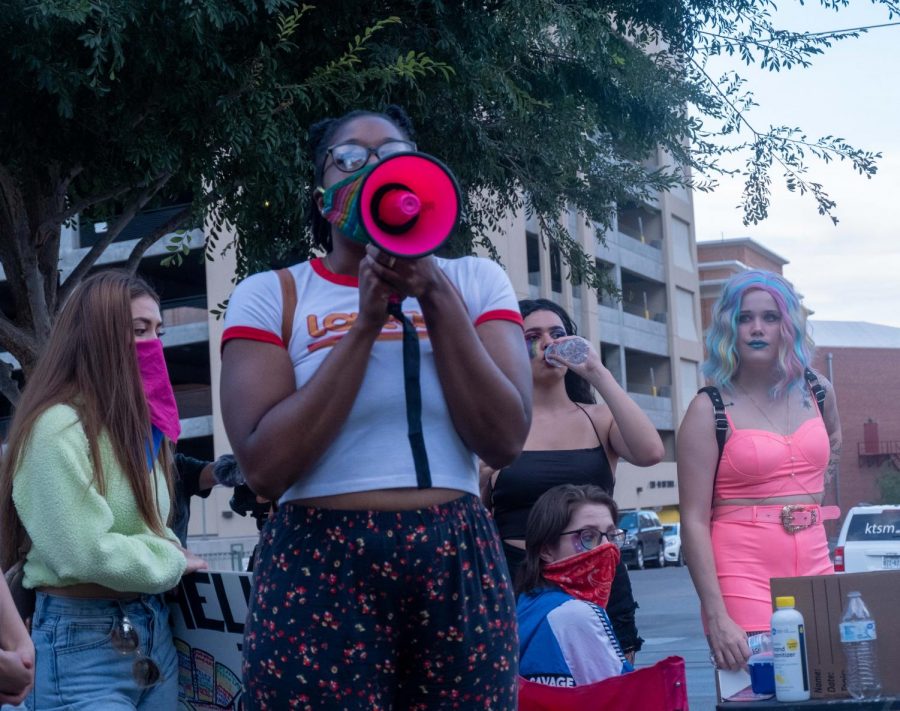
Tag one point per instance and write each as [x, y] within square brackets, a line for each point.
[178, 247]
[352, 57]
[288, 24]
[417, 64]
[746, 30]
[547, 105]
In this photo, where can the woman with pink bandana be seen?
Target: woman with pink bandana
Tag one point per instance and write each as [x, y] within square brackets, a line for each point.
[86, 485]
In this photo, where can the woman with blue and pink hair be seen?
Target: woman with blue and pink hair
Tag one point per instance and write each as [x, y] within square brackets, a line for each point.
[751, 497]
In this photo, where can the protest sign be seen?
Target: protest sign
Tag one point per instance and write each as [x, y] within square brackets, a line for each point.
[208, 613]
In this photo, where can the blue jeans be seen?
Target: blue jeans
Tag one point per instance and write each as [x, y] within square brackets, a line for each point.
[77, 667]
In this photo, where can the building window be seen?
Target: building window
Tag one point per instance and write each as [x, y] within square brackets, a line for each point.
[643, 297]
[608, 275]
[611, 356]
[555, 269]
[682, 253]
[687, 324]
[640, 223]
[576, 284]
[533, 252]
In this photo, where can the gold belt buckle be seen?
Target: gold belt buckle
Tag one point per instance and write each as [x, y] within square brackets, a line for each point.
[787, 517]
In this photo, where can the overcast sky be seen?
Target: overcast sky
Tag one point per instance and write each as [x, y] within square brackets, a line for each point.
[850, 272]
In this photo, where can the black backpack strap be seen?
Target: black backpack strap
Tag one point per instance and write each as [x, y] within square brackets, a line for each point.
[817, 389]
[721, 420]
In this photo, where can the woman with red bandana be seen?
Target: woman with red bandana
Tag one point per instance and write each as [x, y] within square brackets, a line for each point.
[573, 440]
[571, 552]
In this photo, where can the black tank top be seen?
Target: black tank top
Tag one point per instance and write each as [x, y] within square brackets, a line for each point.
[521, 484]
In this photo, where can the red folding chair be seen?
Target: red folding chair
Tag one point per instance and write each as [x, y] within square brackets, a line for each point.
[662, 687]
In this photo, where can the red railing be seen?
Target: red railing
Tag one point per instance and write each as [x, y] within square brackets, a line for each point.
[879, 448]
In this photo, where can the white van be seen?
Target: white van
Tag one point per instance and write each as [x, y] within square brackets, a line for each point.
[869, 540]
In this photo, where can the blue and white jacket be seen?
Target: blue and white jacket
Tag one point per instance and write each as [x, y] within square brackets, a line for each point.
[564, 641]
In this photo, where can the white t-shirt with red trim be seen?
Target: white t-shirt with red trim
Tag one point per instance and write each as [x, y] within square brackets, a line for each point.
[371, 451]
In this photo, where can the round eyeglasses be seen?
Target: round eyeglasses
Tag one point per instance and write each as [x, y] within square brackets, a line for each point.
[589, 538]
[350, 157]
[125, 640]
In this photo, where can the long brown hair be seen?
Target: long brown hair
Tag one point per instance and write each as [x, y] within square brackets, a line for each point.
[548, 519]
[90, 364]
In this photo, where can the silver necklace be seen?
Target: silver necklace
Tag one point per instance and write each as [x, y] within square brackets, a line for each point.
[787, 436]
[756, 405]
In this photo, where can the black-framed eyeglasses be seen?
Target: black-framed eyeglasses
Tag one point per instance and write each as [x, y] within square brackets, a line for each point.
[350, 157]
[590, 537]
[125, 640]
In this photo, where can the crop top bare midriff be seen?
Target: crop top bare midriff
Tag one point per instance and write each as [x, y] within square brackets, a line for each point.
[758, 463]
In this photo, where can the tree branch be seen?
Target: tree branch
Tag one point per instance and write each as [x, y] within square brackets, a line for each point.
[18, 342]
[82, 205]
[9, 388]
[147, 241]
[16, 253]
[77, 170]
[115, 229]
[740, 116]
[10, 195]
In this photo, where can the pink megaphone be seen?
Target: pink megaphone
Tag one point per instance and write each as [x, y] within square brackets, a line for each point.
[398, 206]
[410, 204]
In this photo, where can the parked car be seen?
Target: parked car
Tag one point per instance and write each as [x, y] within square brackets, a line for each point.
[644, 544]
[869, 540]
[672, 538]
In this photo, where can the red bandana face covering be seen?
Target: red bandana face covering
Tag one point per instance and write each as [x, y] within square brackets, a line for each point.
[587, 576]
[158, 388]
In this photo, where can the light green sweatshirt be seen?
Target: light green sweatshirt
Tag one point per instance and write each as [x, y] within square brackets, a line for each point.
[77, 535]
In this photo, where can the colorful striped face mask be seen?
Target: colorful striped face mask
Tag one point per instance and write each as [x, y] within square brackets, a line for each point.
[340, 205]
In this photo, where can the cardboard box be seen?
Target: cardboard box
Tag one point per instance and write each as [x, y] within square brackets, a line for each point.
[821, 600]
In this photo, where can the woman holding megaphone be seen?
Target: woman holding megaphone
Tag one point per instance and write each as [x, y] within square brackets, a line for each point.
[380, 580]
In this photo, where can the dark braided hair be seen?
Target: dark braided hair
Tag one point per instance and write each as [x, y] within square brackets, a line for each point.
[320, 135]
[577, 388]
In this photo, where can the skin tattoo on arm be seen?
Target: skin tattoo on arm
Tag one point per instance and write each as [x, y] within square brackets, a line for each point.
[834, 462]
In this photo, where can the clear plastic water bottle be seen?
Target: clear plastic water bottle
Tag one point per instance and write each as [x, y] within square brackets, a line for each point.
[859, 640]
[573, 350]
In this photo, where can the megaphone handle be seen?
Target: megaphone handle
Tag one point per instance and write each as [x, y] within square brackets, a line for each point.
[413, 388]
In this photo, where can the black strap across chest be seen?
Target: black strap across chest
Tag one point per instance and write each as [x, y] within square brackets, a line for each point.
[411, 372]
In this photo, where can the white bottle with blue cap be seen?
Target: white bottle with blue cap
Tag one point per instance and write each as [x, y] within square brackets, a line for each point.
[789, 651]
